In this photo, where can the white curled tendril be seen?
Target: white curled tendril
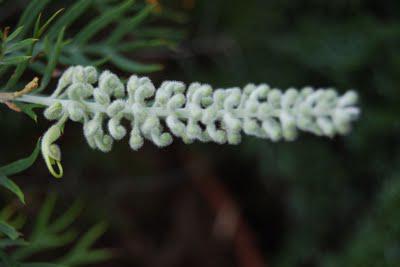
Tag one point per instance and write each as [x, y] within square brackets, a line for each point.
[51, 152]
[197, 112]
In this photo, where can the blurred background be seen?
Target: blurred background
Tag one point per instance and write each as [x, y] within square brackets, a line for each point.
[311, 202]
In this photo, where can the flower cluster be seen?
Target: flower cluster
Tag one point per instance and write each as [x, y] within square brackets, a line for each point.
[197, 112]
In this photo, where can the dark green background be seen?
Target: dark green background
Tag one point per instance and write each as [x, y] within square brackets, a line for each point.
[312, 202]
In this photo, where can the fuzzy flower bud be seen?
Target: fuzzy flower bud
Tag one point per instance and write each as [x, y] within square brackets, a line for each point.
[54, 112]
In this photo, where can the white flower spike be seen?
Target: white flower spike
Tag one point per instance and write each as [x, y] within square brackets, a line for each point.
[194, 113]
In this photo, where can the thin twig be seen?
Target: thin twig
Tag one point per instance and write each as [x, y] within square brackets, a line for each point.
[32, 85]
[233, 225]
[8, 97]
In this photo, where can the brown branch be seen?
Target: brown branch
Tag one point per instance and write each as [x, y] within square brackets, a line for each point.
[229, 221]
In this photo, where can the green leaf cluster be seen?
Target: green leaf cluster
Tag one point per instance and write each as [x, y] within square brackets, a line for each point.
[52, 44]
[48, 234]
[43, 44]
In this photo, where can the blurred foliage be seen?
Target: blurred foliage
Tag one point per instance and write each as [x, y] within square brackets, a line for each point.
[48, 235]
[328, 187]
[43, 53]
[312, 202]
[54, 42]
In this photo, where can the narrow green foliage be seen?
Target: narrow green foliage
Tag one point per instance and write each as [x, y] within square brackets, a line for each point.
[128, 25]
[19, 45]
[90, 237]
[42, 237]
[100, 62]
[8, 230]
[78, 50]
[99, 23]
[44, 215]
[13, 187]
[39, 30]
[28, 109]
[18, 221]
[160, 32]
[51, 65]
[69, 17]
[9, 54]
[131, 65]
[31, 12]
[39, 45]
[19, 70]
[22, 164]
[16, 167]
[14, 60]
[5, 243]
[81, 253]
[146, 44]
[7, 261]
[37, 33]
[67, 218]
[48, 234]
[13, 35]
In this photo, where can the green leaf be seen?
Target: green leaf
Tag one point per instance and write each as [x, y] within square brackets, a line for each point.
[47, 47]
[67, 218]
[6, 260]
[69, 16]
[14, 34]
[81, 253]
[13, 187]
[14, 60]
[19, 221]
[129, 24]
[8, 230]
[41, 30]
[91, 236]
[37, 26]
[44, 242]
[20, 69]
[145, 44]
[53, 59]
[43, 236]
[160, 32]
[95, 256]
[19, 45]
[101, 61]
[22, 164]
[76, 57]
[7, 212]
[100, 22]
[31, 12]
[38, 67]
[44, 215]
[28, 109]
[5, 243]
[133, 66]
